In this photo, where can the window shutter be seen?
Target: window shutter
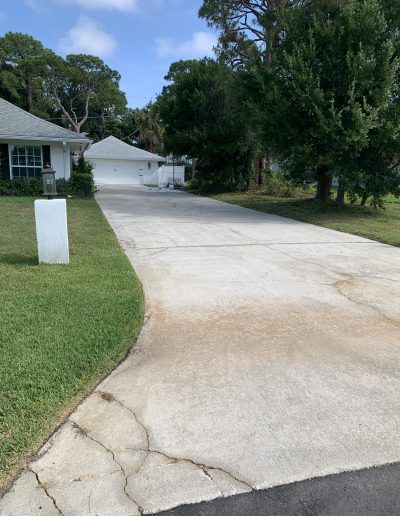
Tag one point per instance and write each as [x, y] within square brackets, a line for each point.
[4, 162]
[46, 155]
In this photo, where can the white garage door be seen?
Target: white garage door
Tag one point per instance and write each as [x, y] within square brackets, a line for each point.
[124, 172]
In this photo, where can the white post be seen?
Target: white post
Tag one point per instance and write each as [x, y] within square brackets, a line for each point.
[52, 231]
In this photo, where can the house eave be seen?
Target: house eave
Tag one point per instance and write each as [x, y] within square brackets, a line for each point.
[45, 139]
[120, 158]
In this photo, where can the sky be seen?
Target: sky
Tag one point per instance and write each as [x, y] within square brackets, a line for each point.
[138, 38]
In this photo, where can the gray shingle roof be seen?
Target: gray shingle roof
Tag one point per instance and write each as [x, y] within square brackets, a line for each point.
[17, 123]
[112, 148]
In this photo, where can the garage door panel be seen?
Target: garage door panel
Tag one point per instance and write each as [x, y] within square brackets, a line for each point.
[113, 172]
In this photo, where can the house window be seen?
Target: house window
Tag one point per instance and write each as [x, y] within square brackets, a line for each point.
[26, 161]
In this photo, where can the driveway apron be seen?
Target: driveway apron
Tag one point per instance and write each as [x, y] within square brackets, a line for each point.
[270, 355]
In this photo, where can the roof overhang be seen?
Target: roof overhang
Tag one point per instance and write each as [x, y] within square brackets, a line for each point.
[115, 158]
[78, 141]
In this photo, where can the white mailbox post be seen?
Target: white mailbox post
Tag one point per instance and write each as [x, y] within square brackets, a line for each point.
[51, 223]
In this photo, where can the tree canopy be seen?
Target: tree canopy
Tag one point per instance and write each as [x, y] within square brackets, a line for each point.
[313, 84]
[79, 92]
[248, 29]
[81, 83]
[68, 91]
[23, 63]
[331, 95]
[204, 119]
[322, 82]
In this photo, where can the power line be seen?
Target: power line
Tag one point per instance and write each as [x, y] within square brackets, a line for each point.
[89, 117]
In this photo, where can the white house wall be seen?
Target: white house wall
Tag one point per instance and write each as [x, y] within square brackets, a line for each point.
[124, 172]
[60, 155]
[61, 159]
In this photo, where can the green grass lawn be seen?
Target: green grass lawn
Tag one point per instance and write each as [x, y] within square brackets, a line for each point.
[382, 225]
[63, 328]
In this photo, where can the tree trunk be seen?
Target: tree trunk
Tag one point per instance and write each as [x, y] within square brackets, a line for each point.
[364, 199]
[30, 98]
[257, 172]
[194, 168]
[103, 124]
[269, 163]
[324, 184]
[264, 163]
[340, 197]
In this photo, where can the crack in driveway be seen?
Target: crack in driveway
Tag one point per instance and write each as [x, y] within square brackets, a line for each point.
[45, 489]
[348, 277]
[150, 449]
[86, 434]
[274, 376]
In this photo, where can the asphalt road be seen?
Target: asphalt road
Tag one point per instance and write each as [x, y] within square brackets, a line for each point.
[370, 492]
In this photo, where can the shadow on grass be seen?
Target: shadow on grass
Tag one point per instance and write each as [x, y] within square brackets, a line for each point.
[381, 225]
[309, 206]
[19, 259]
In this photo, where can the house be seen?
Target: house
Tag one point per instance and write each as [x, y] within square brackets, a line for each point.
[118, 163]
[28, 142]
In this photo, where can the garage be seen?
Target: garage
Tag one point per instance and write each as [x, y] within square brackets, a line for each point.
[118, 163]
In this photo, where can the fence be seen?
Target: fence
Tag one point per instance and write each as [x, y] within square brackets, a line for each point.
[170, 174]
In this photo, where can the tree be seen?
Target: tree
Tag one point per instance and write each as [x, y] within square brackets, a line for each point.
[249, 29]
[123, 126]
[376, 171]
[76, 91]
[205, 120]
[69, 91]
[249, 34]
[107, 105]
[79, 82]
[330, 93]
[141, 127]
[23, 62]
[150, 130]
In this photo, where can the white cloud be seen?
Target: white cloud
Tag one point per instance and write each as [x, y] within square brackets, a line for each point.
[35, 6]
[87, 37]
[200, 45]
[110, 5]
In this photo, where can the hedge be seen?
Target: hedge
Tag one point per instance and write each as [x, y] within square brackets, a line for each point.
[80, 185]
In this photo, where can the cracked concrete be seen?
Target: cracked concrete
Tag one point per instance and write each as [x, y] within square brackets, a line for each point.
[270, 355]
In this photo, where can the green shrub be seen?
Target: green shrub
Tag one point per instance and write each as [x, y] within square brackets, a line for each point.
[82, 167]
[82, 182]
[80, 185]
[4, 189]
[276, 185]
[22, 187]
[204, 186]
[188, 172]
[64, 188]
[192, 185]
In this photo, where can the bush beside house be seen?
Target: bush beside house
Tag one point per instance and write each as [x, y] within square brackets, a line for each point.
[81, 183]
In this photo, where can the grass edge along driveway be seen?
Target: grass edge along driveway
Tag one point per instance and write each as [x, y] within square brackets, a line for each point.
[380, 225]
[63, 328]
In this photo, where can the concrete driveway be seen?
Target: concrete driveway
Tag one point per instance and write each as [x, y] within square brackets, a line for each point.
[270, 355]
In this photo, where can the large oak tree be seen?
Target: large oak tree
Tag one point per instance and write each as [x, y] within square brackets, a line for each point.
[204, 119]
[330, 100]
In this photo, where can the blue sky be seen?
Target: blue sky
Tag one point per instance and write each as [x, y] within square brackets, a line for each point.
[139, 38]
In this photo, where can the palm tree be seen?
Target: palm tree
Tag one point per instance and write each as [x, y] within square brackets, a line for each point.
[150, 131]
